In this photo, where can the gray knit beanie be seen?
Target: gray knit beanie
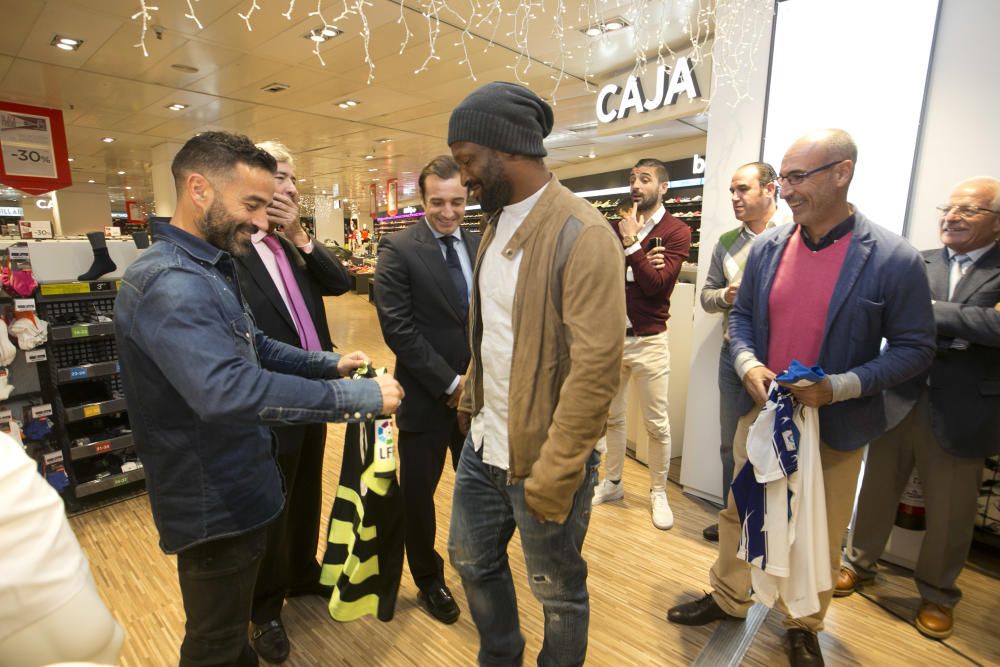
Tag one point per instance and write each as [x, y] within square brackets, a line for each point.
[502, 116]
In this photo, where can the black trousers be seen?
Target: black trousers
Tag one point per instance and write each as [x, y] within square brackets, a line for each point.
[421, 460]
[217, 580]
[289, 565]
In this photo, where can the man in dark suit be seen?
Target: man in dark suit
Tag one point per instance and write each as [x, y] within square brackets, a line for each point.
[950, 420]
[422, 296]
[284, 279]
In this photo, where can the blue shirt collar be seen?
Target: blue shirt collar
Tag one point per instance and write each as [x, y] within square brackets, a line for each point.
[199, 249]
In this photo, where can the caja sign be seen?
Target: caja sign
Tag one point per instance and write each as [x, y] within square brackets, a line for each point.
[670, 83]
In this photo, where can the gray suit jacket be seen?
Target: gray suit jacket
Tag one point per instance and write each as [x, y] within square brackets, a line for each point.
[964, 383]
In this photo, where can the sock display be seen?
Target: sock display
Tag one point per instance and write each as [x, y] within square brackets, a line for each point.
[102, 263]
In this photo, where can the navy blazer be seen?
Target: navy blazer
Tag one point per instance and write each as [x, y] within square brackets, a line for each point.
[881, 293]
[964, 381]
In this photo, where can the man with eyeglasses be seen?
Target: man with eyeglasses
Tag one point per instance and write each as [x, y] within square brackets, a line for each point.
[950, 419]
[824, 291]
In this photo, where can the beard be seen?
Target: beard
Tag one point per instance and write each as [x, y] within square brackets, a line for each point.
[494, 193]
[649, 204]
[220, 229]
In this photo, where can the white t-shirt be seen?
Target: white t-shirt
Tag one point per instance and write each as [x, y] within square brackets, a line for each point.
[497, 283]
[41, 563]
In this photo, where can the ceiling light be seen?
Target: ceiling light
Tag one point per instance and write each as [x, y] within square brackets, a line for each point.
[614, 24]
[641, 135]
[329, 31]
[177, 106]
[70, 159]
[317, 37]
[187, 69]
[343, 105]
[90, 180]
[369, 157]
[302, 180]
[66, 43]
[128, 187]
[373, 169]
[108, 140]
[121, 173]
[592, 31]
[608, 25]
[383, 141]
[275, 87]
[352, 103]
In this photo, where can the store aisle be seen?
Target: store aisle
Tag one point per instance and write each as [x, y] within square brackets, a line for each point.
[636, 573]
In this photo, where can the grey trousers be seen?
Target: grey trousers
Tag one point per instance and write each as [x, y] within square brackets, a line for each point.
[951, 487]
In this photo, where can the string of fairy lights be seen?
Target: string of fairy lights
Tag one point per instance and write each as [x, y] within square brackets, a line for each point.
[736, 32]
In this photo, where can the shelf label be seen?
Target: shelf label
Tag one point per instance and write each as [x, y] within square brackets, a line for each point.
[91, 410]
[43, 410]
[77, 373]
[19, 252]
[121, 480]
[23, 305]
[101, 286]
[103, 446]
[79, 331]
[34, 356]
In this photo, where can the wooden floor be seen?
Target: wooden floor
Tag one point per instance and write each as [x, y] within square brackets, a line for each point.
[636, 573]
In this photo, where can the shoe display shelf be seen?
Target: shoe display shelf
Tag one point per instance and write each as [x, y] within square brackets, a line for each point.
[683, 203]
[81, 378]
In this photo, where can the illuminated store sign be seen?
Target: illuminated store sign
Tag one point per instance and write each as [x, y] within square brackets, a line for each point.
[670, 83]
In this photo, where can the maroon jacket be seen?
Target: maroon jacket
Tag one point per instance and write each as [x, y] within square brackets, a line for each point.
[647, 299]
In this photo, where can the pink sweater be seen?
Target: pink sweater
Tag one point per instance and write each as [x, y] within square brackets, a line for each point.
[799, 301]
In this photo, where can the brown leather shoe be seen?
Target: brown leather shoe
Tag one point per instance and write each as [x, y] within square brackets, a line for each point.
[934, 621]
[847, 583]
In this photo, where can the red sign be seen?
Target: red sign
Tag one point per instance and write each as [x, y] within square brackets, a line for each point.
[33, 154]
[391, 196]
[373, 200]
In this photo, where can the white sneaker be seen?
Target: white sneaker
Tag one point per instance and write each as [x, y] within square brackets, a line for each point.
[607, 491]
[663, 517]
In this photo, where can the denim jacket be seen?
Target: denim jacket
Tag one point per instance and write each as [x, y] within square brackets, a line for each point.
[881, 292]
[202, 383]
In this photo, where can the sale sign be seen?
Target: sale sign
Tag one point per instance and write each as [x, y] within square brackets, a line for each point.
[33, 152]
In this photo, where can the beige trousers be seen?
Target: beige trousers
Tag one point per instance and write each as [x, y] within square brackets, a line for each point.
[730, 576]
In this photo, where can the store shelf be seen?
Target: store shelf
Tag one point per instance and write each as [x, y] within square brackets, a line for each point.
[87, 371]
[114, 481]
[81, 412]
[78, 331]
[90, 289]
[101, 447]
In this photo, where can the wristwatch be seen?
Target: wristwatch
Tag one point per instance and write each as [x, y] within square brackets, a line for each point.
[629, 240]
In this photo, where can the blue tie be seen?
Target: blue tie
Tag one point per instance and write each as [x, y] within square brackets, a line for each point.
[455, 272]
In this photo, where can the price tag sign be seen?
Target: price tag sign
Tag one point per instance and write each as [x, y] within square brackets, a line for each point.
[24, 305]
[43, 410]
[33, 152]
[91, 410]
[77, 373]
[103, 446]
[19, 253]
[79, 331]
[121, 480]
[34, 356]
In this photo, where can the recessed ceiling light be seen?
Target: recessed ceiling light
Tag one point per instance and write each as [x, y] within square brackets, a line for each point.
[128, 187]
[352, 103]
[70, 159]
[383, 141]
[108, 140]
[302, 180]
[275, 87]
[373, 169]
[369, 157]
[614, 24]
[641, 135]
[593, 31]
[343, 105]
[121, 173]
[66, 43]
[177, 106]
[90, 180]
[329, 31]
[317, 37]
[608, 25]
[187, 69]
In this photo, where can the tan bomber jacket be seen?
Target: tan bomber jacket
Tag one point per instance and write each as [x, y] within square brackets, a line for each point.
[569, 330]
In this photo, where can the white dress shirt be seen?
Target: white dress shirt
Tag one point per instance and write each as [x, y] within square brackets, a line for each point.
[463, 259]
[497, 282]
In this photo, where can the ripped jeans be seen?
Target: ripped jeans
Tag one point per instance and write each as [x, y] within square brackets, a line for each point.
[485, 512]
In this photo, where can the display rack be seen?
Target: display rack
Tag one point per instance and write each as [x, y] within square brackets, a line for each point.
[683, 203]
[80, 377]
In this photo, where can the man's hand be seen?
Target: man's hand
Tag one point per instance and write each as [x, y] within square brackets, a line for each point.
[392, 393]
[630, 224]
[757, 381]
[655, 257]
[283, 215]
[351, 362]
[815, 395]
[456, 395]
[464, 422]
[730, 294]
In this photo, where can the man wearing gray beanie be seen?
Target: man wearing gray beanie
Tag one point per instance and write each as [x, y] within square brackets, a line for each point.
[540, 381]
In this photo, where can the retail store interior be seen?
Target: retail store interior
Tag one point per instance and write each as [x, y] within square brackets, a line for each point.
[361, 94]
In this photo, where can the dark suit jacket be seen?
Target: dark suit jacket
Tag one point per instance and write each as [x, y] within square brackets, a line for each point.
[318, 274]
[964, 383]
[419, 312]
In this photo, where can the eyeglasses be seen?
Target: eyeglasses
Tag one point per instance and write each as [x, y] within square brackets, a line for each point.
[797, 177]
[964, 212]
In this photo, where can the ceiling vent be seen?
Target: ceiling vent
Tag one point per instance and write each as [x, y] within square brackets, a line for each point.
[275, 87]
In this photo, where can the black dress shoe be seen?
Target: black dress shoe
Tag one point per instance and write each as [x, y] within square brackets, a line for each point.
[315, 588]
[270, 641]
[440, 604]
[698, 612]
[711, 533]
[803, 649]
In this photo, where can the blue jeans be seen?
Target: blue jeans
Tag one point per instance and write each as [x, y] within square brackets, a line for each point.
[730, 389]
[485, 512]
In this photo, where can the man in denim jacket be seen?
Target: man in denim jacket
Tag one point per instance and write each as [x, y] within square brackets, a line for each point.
[202, 384]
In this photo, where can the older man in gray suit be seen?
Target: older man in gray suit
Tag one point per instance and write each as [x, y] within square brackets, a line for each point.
[950, 420]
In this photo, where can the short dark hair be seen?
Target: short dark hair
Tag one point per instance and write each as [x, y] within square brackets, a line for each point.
[662, 175]
[765, 172]
[217, 153]
[443, 166]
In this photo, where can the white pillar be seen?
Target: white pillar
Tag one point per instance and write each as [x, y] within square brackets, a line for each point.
[329, 220]
[164, 191]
